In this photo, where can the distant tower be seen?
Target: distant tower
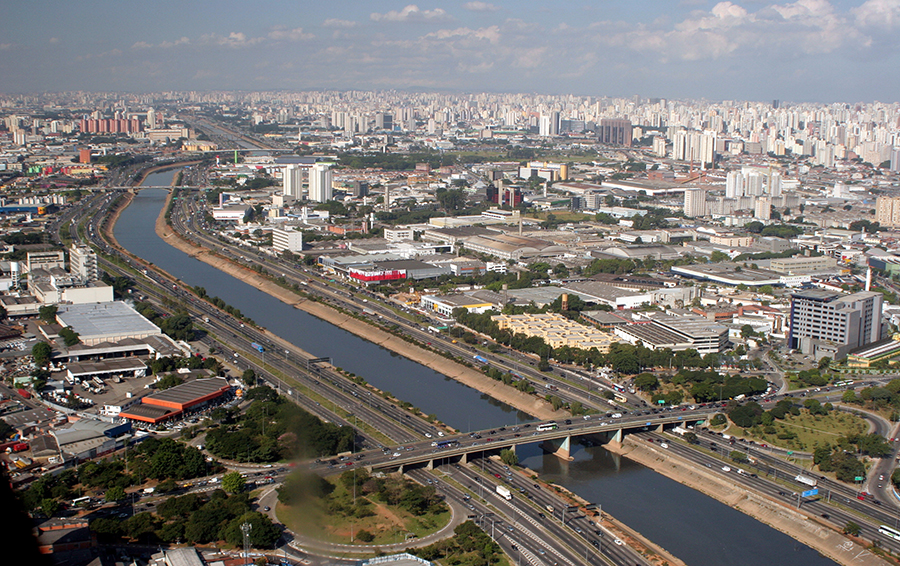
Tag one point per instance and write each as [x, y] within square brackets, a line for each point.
[245, 530]
[869, 278]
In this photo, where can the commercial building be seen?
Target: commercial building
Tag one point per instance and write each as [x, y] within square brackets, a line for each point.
[287, 238]
[830, 324]
[676, 333]
[545, 170]
[884, 350]
[603, 294]
[172, 403]
[45, 260]
[445, 305]
[801, 265]
[556, 330]
[729, 274]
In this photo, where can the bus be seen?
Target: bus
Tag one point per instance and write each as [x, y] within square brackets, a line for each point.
[551, 425]
[448, 444]
[81, 501]
[257, 347]
[618, 388]
[888, 531]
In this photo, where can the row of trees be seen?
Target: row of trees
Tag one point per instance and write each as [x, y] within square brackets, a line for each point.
[195, 519]
[272, 428]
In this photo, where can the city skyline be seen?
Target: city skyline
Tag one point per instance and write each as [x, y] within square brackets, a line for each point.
[810, 50]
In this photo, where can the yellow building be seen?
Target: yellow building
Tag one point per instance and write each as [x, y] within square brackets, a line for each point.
[557, 331]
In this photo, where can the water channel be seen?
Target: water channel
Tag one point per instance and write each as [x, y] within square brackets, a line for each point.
[696, 528]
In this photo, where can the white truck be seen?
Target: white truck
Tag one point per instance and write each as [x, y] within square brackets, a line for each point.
[504, 492]
[811, 482]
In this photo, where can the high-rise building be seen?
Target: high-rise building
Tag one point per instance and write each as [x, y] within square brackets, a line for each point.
[734, 184]
[895, 159]
[292, 180]
[659, 146]
[887, 211]
[707, 149]
[384, 121]
[320, 182]
[83, 263]
[360, 189]
[830, 324]
[694, 203]
[762, 208]
[775, 184]
[615, 131]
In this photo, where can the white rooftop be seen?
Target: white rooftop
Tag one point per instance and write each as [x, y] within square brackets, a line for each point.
[98, 320]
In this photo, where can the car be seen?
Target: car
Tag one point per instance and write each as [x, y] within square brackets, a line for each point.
[267, 508]
[663, 445]
[618, 542]
[726, 469]
[498, 476]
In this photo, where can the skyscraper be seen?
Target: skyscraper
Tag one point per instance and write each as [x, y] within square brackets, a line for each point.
[615, 131]
[83, 263]
[694, 203]
[292, 181]
[734, 184]
[320, 181]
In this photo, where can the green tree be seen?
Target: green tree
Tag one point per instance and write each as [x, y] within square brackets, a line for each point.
[718, 256]
[249, 377]
[69, 336]
[50, 507]
[767, 290]
[690, 438]
[233, 482]
[115, 493]
[509, 457]
[365, 536]
[47, 313]
[41, 353]
[851, 529]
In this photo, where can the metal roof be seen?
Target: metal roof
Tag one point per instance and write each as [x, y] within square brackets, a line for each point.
[105, 320]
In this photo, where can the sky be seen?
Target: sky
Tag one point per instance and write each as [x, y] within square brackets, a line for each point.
[804, 51]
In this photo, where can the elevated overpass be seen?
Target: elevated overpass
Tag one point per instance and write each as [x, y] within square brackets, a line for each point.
[557, 441]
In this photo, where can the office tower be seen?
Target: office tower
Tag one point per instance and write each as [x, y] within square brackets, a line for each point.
[887, 211]
[287, 239]
[830, 324]
[320, 180]
[292, 181]
[549, 124]
[384, 121]
[694, 203]
[895, 159]
[83, 263]
[615, 131]
[360, 189]
[151, 119]
[734, 184]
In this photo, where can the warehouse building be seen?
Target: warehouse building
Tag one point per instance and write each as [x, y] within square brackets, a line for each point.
[676, 333]
[174, 402]
[557, 331]
[105, 322]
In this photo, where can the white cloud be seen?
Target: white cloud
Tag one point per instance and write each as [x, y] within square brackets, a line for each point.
[234, 39]
[54, 40]
[878, 13]
[411, 13]
[491, 34]
[338, 23]
[480, 7]
[141, 45]
[296, 34]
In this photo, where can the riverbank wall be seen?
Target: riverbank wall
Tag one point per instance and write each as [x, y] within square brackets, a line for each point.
[808, 529]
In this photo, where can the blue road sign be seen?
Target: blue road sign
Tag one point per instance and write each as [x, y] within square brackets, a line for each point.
[810, 492]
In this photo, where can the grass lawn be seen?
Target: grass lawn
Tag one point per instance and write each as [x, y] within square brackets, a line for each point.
[809, 430]
[389, 524]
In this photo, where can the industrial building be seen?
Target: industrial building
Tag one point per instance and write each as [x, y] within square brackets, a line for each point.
[172, 403]
[105, 322]
[831, 324]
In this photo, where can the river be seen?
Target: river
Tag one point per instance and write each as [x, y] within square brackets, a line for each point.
[692, 526]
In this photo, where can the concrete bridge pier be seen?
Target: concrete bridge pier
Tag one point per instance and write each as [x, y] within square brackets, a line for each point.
[616, 439]
[559, 446]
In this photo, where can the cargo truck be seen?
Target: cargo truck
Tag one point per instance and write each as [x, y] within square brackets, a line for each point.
[504, 492]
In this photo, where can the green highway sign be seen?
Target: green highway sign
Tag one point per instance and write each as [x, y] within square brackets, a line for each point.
[858, 478]
[790, 452]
